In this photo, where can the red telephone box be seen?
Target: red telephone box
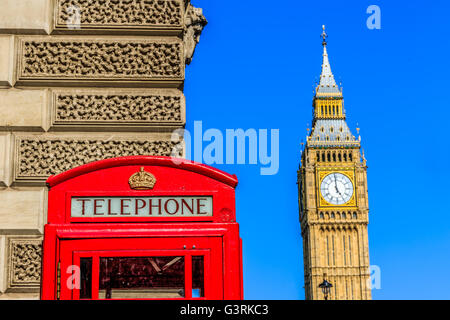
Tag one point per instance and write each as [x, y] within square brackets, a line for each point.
[142, 228]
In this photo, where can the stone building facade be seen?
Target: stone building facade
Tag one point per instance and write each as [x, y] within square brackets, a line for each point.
[80, 81]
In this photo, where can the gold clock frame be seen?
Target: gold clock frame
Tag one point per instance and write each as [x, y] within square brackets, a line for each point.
[321, 174]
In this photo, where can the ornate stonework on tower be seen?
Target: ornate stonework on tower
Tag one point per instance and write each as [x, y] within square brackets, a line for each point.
[81, 81]
[333, 199]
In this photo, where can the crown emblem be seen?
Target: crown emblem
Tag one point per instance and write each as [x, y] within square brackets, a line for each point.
[142, 180]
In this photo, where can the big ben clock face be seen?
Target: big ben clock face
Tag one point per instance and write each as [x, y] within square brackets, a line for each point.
[336, 188]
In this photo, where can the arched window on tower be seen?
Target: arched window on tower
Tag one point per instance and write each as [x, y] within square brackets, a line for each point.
[345, 251]
[350, 252]
[334, 258]
[328, 251]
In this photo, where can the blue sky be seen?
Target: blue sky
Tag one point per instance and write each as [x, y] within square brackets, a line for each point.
[255, 68]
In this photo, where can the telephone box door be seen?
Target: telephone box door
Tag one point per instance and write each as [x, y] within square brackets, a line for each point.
[156, 268]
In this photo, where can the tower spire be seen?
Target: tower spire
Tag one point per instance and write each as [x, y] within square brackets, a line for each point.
[327, 83]
[329, 125]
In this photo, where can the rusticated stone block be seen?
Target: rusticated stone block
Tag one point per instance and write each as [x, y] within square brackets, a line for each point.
[5, 159]
[25, 16]
[27, 296]
[111, 109]
[24, 110]
[80, 60]
[38, 157]
[25, 258]
[84, 15]
[6, 60]
[22, 209]
[3, 265]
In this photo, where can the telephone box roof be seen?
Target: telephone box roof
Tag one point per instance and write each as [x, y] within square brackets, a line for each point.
[176, 163]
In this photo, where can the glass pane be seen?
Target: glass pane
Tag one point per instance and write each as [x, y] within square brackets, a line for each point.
[86, 278]
[198, 277]
[141, 278]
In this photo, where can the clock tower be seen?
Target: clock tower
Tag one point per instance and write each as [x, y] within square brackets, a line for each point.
[333, 199]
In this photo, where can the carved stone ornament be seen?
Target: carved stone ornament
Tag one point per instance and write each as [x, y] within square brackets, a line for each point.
[81, 14]
[195, 22]
[25, 256]
[38, 158]
[117, 107]
[142, 180]
[58, 58]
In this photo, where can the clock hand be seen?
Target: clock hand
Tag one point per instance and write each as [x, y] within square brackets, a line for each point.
[335, 185]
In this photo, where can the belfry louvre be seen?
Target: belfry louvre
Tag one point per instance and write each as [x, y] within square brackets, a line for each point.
[81, 81]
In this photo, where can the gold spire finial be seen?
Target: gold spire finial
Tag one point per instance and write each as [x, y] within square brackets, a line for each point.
[324, 36]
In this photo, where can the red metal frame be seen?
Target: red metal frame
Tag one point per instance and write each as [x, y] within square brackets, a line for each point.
[175, 177]
[212, 283]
